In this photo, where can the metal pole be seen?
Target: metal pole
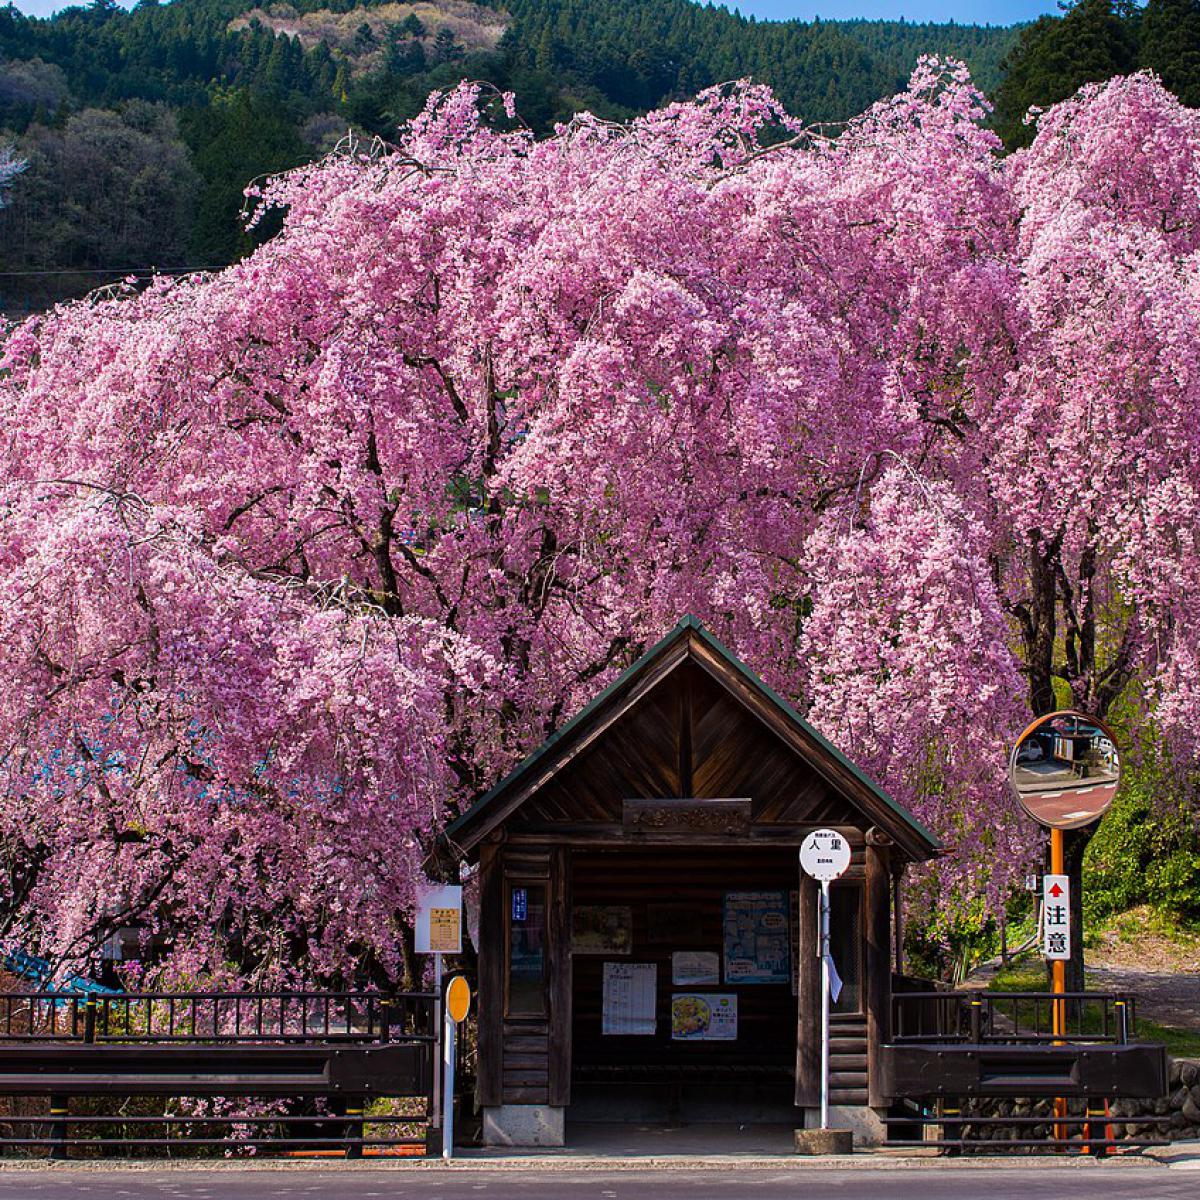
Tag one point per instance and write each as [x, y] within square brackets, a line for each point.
[1058, 972]
[60, 1106]
[448, 1044]
[438, 1034]
[825, 1004]
[1122, 1022]
[1058, 967]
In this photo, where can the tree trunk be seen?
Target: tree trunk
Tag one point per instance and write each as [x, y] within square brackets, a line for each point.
[1075, 843]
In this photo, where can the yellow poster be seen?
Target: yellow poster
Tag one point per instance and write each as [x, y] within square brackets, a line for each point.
[444, 936]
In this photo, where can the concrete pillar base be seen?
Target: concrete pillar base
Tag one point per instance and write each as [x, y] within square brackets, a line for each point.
[824, 1141]
[863, 1122]
[523, 1125]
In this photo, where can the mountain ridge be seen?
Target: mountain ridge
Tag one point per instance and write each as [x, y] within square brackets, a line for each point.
[142, 128]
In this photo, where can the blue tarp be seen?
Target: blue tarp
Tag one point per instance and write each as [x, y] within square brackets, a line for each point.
[29, 966]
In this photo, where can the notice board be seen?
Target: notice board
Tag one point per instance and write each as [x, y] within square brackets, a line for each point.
[757, 944]
[630, 994]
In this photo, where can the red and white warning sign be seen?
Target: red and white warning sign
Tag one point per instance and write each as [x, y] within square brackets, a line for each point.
[1056, 916]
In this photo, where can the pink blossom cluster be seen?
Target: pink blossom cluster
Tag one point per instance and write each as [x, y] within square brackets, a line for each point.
[297, 557]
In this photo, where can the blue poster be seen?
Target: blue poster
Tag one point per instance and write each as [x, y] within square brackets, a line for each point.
[757, 947]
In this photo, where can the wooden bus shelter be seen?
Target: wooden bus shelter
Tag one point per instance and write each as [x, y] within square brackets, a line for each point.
[647, 943]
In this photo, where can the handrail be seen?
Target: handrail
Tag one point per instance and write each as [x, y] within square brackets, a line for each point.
[979, 1017]
[217, 1017]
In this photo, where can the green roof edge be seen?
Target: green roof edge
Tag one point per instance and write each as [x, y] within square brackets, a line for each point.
[687, 622]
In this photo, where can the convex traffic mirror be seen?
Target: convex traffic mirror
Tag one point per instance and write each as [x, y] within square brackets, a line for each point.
[1065, 770]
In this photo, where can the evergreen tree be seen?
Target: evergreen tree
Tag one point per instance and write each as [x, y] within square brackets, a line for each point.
[1170, 45]
[341, 83]
[364, 37]
[232, 142]
[446, 46]
[1093, 41]
[412, 26]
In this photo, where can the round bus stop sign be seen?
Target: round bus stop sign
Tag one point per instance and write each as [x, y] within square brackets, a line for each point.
[824, 854]
[458, 998]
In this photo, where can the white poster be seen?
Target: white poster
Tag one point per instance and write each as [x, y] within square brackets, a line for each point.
[757, 948]
[630, 991]
[694, 968]
[706, 1018]
[438, 925]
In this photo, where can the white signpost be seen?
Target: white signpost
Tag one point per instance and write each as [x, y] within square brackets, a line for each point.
[1056, 917]
[437, 930]
[825, 855]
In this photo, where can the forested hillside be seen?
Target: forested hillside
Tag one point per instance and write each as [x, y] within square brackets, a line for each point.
[141, 129]
[1091, 42]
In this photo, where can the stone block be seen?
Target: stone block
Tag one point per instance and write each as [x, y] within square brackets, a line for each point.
[863, 1122]
[824, 1141]
[523, 1125]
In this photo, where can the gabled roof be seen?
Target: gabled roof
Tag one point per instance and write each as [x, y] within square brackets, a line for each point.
[689, 639]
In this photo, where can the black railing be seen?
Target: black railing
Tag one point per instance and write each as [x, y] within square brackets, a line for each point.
[217, 1017]
[340, 1072]
[978, 1017]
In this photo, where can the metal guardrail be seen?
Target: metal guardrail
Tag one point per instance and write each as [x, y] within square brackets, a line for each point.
[271, 1071]
[980, 1018]
[1065, 1054]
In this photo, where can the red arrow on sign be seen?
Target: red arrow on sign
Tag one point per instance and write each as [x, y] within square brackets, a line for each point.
[1056, 891]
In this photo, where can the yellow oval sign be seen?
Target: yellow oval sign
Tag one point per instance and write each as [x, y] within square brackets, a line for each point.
[458, 998]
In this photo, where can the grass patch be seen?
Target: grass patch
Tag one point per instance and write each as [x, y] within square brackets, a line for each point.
[1026, 974]
[1137, 924]
[1180, 1043]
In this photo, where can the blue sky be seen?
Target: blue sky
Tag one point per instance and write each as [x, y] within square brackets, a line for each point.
[966, 12]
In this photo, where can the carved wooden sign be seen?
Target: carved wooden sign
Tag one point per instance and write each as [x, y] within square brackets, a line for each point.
[686, 816]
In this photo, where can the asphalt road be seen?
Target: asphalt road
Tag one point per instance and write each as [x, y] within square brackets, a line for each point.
[911, 1183]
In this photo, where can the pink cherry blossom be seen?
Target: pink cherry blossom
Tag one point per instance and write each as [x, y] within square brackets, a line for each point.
[297, 557]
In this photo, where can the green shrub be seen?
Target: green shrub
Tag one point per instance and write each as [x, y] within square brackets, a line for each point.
[1145, 851]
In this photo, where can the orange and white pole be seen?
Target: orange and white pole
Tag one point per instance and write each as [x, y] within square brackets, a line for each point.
[1058, 969]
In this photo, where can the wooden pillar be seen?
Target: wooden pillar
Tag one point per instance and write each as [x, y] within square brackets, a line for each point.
[558, 977]
[490, 1070]
[808, 1000]
[898, 866]
[878, 992]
